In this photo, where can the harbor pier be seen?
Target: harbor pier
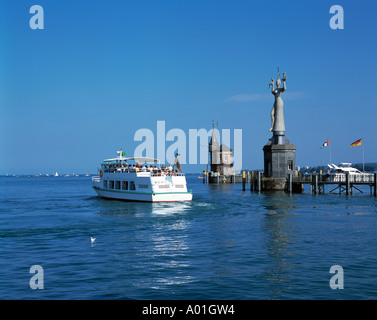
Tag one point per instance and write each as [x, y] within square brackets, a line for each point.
[339, 183]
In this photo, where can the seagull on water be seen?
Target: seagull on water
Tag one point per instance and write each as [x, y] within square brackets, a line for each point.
[92, 240]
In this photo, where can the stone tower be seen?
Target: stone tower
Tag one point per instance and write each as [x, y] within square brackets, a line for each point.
[220, 156]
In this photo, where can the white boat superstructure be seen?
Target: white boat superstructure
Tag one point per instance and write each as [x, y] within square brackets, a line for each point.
[345, 167]
[338, 173]
[118, 179]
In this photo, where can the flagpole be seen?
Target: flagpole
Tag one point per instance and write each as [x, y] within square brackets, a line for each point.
[330, 150]
[363, 152]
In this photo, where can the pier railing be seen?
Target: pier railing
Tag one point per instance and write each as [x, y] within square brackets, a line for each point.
[344, 181]
[336, 178]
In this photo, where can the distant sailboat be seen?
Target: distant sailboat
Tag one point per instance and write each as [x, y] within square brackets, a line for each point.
[56, 174]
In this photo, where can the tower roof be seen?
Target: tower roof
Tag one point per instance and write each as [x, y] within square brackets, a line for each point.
[213, 140]
[223, 147]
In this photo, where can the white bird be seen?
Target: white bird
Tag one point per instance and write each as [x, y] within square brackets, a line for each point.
[92, 240]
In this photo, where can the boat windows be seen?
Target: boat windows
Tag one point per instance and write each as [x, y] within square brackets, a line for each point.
[111, 184]
[105, 184]
[117, 185]
[179, 186]
[143, 186]
[124, 185]
[132, 185]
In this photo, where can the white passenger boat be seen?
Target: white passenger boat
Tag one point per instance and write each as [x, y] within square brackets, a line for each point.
[119, 179]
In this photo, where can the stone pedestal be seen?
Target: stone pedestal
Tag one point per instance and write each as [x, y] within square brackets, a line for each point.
[279, 162]
[274, 184]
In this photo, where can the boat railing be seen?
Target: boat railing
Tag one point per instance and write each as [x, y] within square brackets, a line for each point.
[159, 174]
[152, 173]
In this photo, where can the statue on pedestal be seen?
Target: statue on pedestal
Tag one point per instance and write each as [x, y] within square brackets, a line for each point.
[279, 153]
[277, 114]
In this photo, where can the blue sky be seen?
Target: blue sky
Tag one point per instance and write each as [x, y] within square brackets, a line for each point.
[78, 90]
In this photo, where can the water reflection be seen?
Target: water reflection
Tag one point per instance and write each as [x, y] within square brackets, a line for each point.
[159, 252]
[141, 209]
[279, 233]
[170, 208]
[165, 254]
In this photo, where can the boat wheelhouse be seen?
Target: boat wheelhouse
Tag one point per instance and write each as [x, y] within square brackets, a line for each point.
[140, 179]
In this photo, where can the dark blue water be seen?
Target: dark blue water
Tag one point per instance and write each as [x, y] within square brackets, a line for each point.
[226, 244]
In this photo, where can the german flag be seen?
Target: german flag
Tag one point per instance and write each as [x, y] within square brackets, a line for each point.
[356, 143]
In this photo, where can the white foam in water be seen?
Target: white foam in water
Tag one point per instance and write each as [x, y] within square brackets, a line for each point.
[169, 209]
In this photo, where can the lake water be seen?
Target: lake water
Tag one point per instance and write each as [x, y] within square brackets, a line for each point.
[226, 244]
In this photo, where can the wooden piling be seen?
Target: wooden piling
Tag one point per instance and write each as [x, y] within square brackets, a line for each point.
[315, 184]
[375, 184]
[204, 177]
[290, 182]
[218, 177]
[259, 181]
[243, 181]
[348, 191]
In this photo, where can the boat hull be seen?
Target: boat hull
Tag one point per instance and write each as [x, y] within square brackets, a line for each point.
[144, 197]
